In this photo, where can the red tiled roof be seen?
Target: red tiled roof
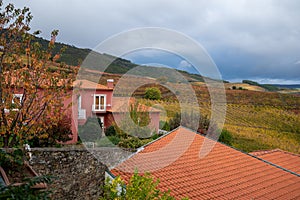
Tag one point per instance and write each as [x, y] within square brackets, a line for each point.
[85, 84]
[287, 160]
[224, 173]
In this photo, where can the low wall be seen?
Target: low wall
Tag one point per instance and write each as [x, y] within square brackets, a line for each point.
[79, 173]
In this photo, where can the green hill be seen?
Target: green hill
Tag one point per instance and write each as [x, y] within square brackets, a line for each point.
[74, 56]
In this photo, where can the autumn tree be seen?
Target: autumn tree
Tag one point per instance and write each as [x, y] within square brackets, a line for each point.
[31, 92]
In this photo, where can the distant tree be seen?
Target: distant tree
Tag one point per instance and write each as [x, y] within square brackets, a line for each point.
[251, 82]
[190, 120]
[153, 93]
[31, 97]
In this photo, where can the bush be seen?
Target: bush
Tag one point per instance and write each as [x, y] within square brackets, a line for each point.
[226, 137]
[110, 131]
[153, 93]
[138, 187]
[131, 142]
[91, 130]
[164, 126]
[175, 121]
[109, 141]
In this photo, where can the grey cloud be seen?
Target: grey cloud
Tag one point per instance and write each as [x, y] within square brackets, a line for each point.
[266, 34]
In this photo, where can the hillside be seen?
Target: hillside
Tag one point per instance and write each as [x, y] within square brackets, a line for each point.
[244, 86]
[74, 56]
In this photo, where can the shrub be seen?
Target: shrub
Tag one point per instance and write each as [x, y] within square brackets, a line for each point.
[153, 93]
[110, 131]
[164, 125]
[226, 137]
[91, 130]
[108, 141]
[138, 187]
[131, 142]
[175, 121]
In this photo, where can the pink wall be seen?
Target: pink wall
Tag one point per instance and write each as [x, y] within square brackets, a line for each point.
[87, 99]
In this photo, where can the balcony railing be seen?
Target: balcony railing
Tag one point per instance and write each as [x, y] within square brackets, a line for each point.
[98, 108]
[81, 114]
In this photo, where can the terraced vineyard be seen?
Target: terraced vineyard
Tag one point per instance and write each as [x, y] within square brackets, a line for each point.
[257, 120]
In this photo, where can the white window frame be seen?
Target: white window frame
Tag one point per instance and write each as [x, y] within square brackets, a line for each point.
[104, 103]
[18, 96]
[79, 102]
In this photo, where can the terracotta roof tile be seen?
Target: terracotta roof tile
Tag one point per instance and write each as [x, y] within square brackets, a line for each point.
[85, 84]
[224, 173]
[287, 160]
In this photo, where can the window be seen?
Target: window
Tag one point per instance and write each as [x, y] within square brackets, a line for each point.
[99, 102]
[79, 102]
[17, 100]
[15, 103]
[81, 112]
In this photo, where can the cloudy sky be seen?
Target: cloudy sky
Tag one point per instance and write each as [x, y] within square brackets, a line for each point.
[254, 39]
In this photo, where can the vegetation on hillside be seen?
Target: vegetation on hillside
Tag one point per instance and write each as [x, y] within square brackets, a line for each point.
[255, 120]
[268, 87]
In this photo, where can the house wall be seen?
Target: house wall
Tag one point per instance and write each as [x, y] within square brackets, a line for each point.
[87, 100]
[117, 117]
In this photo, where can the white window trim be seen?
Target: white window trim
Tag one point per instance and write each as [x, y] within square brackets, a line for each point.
[19, 96]
[94, 103]
[79, 102]
[21, 99]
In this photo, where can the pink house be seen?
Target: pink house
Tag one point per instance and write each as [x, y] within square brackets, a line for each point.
[95, 100]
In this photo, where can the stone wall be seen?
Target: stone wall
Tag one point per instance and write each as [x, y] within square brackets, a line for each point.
[79, 173]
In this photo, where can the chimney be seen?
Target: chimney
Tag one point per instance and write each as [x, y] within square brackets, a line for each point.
[110, 83]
